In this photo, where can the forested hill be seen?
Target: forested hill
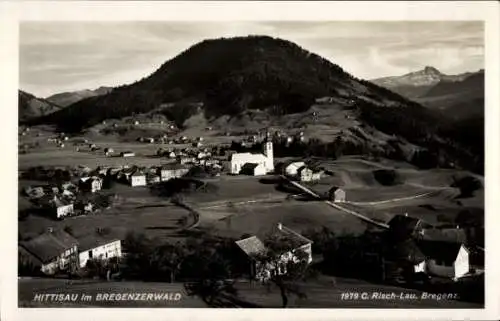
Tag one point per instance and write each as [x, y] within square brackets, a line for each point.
[230, 76]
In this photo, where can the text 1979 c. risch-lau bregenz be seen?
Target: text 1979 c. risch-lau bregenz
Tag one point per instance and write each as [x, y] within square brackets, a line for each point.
[397, 296]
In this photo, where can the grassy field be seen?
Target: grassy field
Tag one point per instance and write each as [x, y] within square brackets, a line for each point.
[260, 218]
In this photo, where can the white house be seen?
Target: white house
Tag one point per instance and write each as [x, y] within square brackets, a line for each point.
[337, 195]
[445, 259]
[60, 208]
[97, 248]
[91, 184]
[51, 251]
[170, 171]
[292, 169]
[306, 174]
[266, 159]
[137, 178]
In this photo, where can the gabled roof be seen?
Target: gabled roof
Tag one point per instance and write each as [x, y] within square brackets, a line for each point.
[92, 241]
[455, 235]
[297, 165]
[441, 251]
[302, 168]
[247, 157]
[252, 246]
[335, 189]
[49, 245]
[403, 223]
[296, 239]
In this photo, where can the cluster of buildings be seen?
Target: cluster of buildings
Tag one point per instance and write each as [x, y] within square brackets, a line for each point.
[57, 251]
[59, 201]
[434, 252]
[137, 176]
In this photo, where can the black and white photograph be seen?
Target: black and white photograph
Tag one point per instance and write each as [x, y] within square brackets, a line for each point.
[262, 164]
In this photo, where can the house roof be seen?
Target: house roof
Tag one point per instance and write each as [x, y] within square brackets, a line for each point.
[25, 253]
[91, 241]
[439, 250]
[49, 245]
[252, 246]
[445, 235]
[403, 223]
[284, 239]
[303, 168]
[335, 189]
[297, 165]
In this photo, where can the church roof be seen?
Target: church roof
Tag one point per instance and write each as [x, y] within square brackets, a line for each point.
[248, 157]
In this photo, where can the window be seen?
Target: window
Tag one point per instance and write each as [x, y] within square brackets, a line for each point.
[90, 254]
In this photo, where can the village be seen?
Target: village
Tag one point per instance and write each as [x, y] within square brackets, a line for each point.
[421, 250]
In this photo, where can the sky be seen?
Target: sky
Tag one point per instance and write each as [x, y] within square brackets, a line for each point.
[56, 57]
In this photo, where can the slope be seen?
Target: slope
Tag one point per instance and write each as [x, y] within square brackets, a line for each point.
[68, 98]
[30, 107]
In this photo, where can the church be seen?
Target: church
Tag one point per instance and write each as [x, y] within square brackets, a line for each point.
[264, 161]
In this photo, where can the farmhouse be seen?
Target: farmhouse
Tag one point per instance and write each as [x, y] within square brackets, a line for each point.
[337, 195]
[91, 184]
[290, 244]
[446, 259]
[170, 171]
[238, 160]
[137, 178]
[51, 252]
[59, 208]
[108, 151]
[306, 174]
[292, 169]
[93, 247]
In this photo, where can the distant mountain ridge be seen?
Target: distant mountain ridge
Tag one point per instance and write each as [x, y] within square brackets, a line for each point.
[428, 76]
[68, 98]
[456, 96]
[31, 107]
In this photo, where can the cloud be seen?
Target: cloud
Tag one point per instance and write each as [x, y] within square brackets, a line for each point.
[62, 56]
